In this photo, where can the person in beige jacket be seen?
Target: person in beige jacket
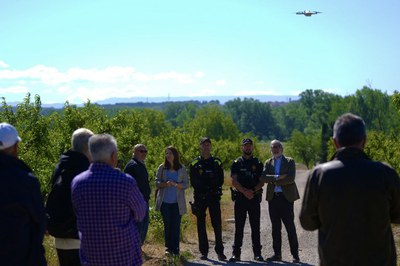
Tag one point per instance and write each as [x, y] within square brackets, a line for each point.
[171, 182]
[279, 173]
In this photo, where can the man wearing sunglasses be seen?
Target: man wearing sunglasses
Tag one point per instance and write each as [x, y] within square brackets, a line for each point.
[136, 167]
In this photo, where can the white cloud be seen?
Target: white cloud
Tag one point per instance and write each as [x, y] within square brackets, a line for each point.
[64, 89]
[220, 82]
[82, 93]
[115, 74]
[107, 75]
[79, 84]
[48, 75]
[3, 64]
[199, 74]
[14, 89]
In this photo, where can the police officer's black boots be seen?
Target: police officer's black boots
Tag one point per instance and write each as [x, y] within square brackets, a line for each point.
[257, 253]
[235, 255]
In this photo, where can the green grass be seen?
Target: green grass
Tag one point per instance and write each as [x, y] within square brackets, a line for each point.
[51, 253]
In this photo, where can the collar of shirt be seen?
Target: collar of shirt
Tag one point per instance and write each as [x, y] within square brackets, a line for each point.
[138, 161]
[247, 159]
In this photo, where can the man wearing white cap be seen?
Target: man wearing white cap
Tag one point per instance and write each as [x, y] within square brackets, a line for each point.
[22, 214]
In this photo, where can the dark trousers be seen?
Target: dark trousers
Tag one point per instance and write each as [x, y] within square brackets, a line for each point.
[242, 207]
[214, 209]
[281, 210]
[68, 257]
[172, 226]
[143, 226]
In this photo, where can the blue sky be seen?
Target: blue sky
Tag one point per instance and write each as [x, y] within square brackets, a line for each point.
[78, 50]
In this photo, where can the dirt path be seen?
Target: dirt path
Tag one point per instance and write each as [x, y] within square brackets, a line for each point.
[308, 241]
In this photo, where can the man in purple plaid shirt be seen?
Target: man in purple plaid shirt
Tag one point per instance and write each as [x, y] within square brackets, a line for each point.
[108, 204]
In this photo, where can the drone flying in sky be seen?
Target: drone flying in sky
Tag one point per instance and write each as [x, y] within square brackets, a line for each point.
[307, 13]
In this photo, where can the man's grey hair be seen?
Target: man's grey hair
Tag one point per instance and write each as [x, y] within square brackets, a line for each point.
[80, 140]
[275, 141]
[101, 147]
[137, 146]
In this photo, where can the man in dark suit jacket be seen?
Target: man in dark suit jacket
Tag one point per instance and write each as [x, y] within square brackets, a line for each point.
[136, 167]
[279, 173]
[352, 201]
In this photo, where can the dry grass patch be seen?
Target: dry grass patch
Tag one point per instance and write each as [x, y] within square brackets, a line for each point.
[153, 254]
[51, 253]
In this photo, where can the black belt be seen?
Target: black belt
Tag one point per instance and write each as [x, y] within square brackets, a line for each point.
[278, 193]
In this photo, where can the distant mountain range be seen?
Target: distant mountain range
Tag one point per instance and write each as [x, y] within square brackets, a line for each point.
[221, 99]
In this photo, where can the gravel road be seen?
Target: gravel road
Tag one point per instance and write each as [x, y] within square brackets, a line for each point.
[308, 241]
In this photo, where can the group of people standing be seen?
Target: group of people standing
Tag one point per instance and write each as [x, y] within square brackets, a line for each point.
[248, 176]
[99, 215]
[94, 210]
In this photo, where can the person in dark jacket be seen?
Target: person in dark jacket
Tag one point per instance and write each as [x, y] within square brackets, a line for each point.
[352, 201]
[207, 178]
[246, 172]
[62, 219]
[137, 169]
[22, 214]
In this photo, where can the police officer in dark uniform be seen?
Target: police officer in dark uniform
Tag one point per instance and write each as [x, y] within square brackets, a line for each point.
[245, 173]
[207, 177]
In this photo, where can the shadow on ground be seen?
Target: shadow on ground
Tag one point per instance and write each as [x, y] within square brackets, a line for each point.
[275, 263]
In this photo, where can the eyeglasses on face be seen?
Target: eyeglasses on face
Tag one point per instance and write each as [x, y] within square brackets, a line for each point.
[143, 151]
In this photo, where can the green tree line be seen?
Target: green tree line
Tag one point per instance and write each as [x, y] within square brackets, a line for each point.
[305, 126]
[45, 137]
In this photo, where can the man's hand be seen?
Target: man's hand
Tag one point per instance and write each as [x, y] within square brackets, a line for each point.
[259, 186]
[268, 179]
[248, 193]
[171, 183]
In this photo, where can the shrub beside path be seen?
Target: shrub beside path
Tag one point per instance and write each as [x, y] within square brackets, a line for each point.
[308, 241]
